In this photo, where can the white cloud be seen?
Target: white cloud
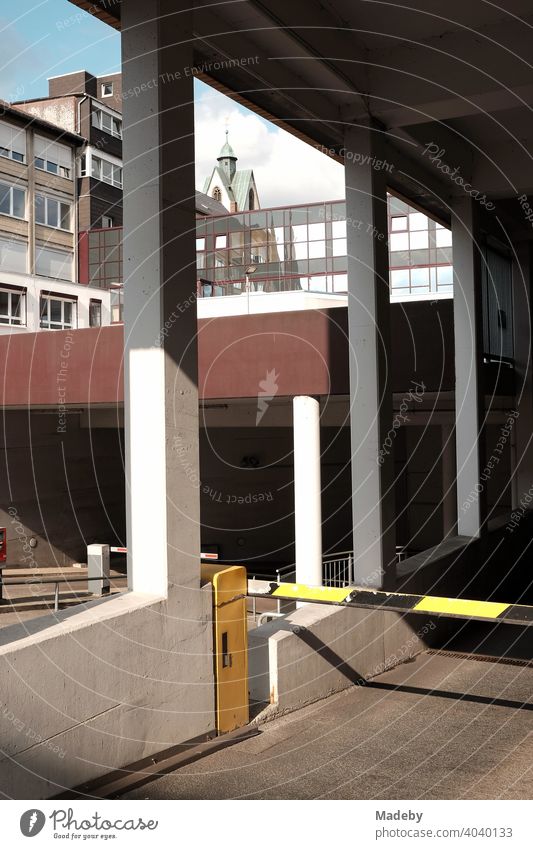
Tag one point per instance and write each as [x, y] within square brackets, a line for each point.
[287, 170]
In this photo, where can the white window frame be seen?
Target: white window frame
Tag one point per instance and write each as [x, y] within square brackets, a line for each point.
[5, 244]
[100, 176]
[47, 158]
[63, 253]
[103, 92]
[8, 134]
[11, 187]
[14, 322]
[62, 170]
[105, 219]
[97, 121]
[47, 199]
[57, 325]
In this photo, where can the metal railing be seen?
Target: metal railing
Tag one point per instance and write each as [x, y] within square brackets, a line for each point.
[47, 582]
[284, 574]
[337, 569]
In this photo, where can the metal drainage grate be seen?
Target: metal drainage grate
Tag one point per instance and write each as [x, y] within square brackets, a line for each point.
[484, 658]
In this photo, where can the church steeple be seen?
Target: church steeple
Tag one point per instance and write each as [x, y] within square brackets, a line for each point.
[227, 159]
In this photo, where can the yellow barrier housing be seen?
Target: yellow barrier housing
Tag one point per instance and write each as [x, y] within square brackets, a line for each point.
[230, 639]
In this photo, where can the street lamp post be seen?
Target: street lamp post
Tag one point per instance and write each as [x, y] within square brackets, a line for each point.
[249, 270]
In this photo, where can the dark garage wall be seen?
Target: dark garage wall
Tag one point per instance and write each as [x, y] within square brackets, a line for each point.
[67, 489]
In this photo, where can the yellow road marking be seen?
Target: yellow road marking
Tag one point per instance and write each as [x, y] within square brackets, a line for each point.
[461, 606]
[302, 591]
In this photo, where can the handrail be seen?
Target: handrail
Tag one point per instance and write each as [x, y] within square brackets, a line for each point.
[336, 555]
[29, 581]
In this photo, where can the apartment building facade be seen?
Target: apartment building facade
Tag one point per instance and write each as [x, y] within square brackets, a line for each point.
[38, 229]
[89, 106]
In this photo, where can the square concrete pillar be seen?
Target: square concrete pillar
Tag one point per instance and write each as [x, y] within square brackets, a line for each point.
[160, 326]
[161, 361]
[371, 416]
[469, 390]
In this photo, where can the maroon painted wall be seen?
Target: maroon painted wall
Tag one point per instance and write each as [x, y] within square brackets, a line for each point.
[308, 350]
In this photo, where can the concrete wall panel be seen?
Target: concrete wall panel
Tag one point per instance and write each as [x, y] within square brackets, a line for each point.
[102, 686]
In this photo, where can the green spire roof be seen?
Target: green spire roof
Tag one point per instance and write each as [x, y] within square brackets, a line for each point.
[227, 151]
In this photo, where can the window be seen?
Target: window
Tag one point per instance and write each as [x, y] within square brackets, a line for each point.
[12, 142]
[299, 233]
[399, 278]
[95, 313]
[200, 244]
[220, 242]
[398, 222]
[338, 229]
[420, 277]
[340, 247]
[317, 231]
[105, 257]
[52, 212]
[399, 242]
[52, 263]
[13, 255]
[107, 122]
[419, 240]
[317, 249]
[444, 276]
[12, 201]
[12, 306]
[340, 282]
[418, 221]
[53, 157]
[251, 201]
[106, 89]
[57, 313]
[108, 172]
[217, 194]
[443, 237]
[107, 221]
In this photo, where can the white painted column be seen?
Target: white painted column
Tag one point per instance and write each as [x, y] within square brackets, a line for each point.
[160, 328]
[449, 496]
[469, 396]
[307, 490]
[371, 413]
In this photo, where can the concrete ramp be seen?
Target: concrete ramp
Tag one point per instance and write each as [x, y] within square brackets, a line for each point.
[437, 727]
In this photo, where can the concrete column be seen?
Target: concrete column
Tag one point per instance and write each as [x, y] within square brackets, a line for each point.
[161, 400]
[522, 323]
[449, 495]
[307, 490]
[469, 395]
[371, 415]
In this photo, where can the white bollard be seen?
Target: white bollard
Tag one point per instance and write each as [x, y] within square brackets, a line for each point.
[98, 567]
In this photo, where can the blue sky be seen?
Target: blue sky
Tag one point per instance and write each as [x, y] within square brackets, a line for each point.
[45, 38]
